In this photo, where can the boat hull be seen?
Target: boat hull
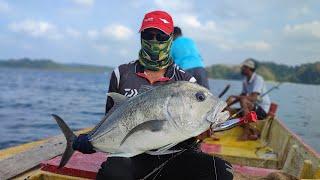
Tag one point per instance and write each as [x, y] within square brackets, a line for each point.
[278, 150]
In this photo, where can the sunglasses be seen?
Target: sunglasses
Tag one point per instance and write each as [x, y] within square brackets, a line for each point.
[159, 36]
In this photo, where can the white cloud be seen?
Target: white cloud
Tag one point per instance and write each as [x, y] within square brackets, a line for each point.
[101, 48]
[174, 5]
[299, 12]
[112, 32]
[93, 34]
[311, 29]
[218, 34]
[230, 44]
[27, 46]
[207, 32]
[36, 29]
[4, 7]
[257, 45]
[118, 32]
[86, 3]
[73, 32]
[124, 52]
[114, 35]
[190, 21]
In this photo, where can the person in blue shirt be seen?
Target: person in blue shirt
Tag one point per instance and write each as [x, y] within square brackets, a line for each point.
[186, 55]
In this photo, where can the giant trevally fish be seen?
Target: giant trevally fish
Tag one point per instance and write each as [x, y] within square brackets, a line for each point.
[158, 118]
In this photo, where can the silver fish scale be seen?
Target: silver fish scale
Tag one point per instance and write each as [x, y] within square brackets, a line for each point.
[136, 111]
[140, 111]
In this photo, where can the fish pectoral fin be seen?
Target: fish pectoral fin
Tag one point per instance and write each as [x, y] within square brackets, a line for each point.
[117, 98]
[162, 150]
[152, 125]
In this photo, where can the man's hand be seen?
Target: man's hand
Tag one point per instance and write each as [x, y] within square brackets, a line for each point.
[234, 96]
[82, 144]
[204, 135]
[232, 100]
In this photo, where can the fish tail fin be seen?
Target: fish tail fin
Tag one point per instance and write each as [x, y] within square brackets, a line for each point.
[70, 136]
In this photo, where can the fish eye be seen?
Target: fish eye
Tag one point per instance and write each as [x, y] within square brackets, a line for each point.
[200, 96]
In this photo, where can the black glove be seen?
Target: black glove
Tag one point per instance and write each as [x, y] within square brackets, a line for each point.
[82, 144]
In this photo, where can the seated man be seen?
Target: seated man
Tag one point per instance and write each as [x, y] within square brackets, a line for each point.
[250, 99]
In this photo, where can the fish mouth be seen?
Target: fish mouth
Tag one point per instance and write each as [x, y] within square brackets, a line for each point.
[217, 116]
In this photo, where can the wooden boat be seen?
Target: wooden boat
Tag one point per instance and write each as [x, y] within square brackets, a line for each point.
[278, 150]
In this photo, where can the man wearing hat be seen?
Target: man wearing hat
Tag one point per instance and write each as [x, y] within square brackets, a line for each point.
[155, 67]
[250, 99]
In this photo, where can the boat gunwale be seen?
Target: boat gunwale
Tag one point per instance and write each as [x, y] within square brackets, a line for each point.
[299, 139]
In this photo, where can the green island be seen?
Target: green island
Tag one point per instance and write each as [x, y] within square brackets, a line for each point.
[308, 73]
[47, 64]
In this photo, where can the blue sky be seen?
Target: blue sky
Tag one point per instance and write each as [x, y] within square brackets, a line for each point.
[106, 32]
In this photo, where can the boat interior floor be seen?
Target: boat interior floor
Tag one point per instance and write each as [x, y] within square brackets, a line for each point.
[249, 152]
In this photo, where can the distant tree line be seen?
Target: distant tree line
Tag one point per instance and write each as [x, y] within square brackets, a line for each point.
[308, 73]
[48, 64]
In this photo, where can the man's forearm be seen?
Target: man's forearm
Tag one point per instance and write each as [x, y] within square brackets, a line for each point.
[232, 100]
[251, 98]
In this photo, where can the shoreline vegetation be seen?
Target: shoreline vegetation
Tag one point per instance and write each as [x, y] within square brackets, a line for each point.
[308, 73]
[47, 64]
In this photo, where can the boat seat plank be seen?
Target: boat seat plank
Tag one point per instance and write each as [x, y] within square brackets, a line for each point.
[79, 165]
[16, 160]
[14, 165]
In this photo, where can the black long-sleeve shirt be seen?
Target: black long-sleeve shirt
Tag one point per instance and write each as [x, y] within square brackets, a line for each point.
[128, 78]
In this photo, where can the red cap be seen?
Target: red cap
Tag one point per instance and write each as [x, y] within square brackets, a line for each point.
[159, 20]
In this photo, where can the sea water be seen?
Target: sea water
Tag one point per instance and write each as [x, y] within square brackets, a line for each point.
[28, 97]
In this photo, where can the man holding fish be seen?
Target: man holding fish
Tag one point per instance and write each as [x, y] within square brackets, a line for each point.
[153, 114]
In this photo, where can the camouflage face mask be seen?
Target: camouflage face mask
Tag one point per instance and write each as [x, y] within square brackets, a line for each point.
[155, 55]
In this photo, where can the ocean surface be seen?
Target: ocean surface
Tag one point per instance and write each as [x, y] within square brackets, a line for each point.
[28, 97]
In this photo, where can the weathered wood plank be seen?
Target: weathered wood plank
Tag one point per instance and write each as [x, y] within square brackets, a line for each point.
[21, 162]
[15, 160]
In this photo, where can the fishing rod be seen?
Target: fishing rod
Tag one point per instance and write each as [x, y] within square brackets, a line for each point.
[224, 91]
[232, 122]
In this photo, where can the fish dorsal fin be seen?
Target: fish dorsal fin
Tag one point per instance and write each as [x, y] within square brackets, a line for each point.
[117, 98]
[145, 88]
[151, 125]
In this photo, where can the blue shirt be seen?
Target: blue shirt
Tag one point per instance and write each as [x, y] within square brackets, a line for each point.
[256, 84]
[185, 53]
